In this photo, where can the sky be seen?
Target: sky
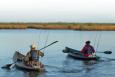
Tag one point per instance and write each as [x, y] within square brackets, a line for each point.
[86, 11]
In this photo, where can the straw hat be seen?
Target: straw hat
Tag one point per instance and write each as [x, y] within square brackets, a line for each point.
[33, 46]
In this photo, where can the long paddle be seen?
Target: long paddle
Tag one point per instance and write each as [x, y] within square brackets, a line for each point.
[106, 52]
[7, 66]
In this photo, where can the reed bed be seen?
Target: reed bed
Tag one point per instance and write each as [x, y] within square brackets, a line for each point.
[71, 26]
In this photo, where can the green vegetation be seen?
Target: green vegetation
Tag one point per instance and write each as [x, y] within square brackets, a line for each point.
[59, 25]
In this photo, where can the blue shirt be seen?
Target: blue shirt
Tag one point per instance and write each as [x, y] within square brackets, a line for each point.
[34, 55]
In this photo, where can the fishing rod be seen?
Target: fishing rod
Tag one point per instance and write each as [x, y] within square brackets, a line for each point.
[49, 45]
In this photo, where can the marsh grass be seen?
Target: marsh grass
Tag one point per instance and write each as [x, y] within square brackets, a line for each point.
[73, 26]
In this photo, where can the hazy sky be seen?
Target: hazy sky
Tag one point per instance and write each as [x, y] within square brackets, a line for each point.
[57, 11]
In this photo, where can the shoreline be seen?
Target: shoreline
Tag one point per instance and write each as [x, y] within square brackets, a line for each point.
[60, 26]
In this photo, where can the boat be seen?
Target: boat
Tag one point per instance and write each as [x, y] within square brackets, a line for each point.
[18, 60]
[76, 54]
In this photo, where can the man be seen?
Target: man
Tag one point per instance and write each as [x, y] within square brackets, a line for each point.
[33, 55]
[88, 50]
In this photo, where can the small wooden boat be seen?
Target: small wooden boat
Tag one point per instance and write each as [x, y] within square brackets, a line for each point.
[18, 59]
[78, 55]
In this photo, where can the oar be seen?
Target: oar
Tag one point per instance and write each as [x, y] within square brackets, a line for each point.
[7, 66]
[106, 52]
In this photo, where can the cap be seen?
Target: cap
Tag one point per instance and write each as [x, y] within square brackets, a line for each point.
[87, 42]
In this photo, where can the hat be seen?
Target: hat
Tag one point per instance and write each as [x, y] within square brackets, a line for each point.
[33, 46]
[87, 42]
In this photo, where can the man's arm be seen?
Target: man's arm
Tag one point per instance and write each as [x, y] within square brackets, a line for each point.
[93, 49]
[39, 53]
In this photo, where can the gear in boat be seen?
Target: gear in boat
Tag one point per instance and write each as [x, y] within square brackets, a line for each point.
[78, 55]
[30, 61]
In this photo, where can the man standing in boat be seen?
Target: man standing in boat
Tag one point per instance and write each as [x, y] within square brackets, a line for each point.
[33, 55]
[88, 50]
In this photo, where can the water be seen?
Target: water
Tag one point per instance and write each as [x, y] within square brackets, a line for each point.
[57, 63]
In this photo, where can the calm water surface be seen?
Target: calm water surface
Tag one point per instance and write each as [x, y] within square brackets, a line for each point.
[57, 63]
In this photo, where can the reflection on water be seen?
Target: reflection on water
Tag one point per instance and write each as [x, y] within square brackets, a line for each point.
[71, 66]
[89, 65]
[31, 74]
[57, 64]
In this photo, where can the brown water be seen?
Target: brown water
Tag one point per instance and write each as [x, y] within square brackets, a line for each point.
[57, 63]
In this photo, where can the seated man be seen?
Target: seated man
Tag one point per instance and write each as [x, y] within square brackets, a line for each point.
[33, 55]
[88, 50]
